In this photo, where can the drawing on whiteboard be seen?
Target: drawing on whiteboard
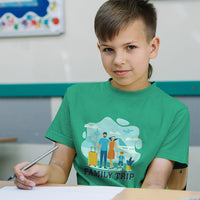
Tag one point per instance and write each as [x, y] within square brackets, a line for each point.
[31, 17]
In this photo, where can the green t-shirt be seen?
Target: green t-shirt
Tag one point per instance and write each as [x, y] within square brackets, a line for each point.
[146, 124]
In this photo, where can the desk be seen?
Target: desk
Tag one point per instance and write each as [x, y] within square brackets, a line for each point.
[155, 194]
[4, 140]
[138, 194]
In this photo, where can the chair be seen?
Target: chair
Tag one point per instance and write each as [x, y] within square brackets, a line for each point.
[178, 179]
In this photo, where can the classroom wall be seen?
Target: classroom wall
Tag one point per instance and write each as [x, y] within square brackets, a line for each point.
[74, 57]
[70, 57]
[179, 32]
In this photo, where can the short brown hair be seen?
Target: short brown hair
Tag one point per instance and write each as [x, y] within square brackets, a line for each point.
[114, 15]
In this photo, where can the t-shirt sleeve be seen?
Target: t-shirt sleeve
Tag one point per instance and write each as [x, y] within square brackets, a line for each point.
[176, 144]
[60, 128]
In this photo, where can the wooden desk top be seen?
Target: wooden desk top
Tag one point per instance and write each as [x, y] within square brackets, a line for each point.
[3, 140]
[155, 194]
[138, 194]
[6, 183]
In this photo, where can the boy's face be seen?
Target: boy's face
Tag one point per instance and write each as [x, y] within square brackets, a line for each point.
[126, 57]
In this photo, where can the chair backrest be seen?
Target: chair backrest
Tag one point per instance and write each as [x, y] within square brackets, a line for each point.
[178, 179]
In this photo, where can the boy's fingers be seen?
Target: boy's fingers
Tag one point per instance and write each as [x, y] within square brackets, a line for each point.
[35, 171]
[29, 172]
[21, 180]
[24, 183]
[35, 175]
[17, 169]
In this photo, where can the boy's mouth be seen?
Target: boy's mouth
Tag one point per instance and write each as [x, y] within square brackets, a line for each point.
[121, 72]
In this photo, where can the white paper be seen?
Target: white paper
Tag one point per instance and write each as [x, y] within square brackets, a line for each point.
[61, 193]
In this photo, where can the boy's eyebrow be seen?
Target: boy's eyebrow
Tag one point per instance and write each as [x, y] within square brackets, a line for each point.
[101, 44]
[125, 44]
[128, 43]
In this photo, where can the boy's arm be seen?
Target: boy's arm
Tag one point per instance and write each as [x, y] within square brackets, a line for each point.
[158, 173]
[61, 163]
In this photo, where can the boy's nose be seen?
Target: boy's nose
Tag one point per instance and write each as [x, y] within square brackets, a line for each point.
[119, 58]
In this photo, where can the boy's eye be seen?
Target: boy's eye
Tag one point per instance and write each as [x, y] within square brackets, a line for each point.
[131, 47]
[107, 50]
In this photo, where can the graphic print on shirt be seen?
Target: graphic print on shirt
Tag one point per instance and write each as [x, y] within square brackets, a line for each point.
[111, 145]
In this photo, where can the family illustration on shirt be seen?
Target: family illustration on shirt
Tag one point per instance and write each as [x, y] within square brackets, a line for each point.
[111, 144]
[105, 154]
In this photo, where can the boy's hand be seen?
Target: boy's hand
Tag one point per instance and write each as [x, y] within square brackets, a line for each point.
[35, 175]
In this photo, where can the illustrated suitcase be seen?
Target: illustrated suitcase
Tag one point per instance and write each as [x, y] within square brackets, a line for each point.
[92, 157]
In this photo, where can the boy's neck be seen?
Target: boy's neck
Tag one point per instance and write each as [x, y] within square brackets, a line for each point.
[135, 87]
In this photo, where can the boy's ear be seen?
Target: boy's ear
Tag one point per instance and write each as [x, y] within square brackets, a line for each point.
[155, 43]
[98, 45]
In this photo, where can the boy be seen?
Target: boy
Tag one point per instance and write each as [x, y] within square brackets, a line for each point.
[152, 127]
[121, 160]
